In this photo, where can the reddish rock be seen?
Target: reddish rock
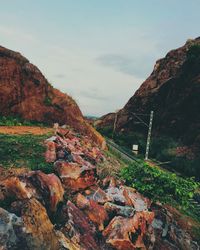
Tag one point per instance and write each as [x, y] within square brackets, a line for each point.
[133, 198]
[80, 229]
[16, 188]
[38, 231]
[127, 233]
[96, 213]
[97, 194]
[50, 154]
[50, 187]
[110, 181]
[74, 177]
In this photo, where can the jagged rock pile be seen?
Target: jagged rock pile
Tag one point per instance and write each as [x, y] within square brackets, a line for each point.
[73, 209]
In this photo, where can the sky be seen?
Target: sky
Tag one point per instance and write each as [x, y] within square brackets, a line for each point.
[97, 51]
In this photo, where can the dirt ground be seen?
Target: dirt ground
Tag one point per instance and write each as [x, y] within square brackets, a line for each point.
[25, 130]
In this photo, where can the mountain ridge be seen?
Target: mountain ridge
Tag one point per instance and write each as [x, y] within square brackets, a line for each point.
[26, 93]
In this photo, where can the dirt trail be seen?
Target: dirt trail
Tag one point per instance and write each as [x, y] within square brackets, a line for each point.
[25, 130]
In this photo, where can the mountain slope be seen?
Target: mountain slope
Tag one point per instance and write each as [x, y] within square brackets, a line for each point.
[25, 92]
[172, 91]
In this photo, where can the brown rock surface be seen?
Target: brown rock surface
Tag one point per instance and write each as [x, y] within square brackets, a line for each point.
[26, 92]
[50, 187]
[172, 91]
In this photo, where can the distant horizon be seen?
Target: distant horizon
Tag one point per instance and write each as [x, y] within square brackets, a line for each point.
[99, 52]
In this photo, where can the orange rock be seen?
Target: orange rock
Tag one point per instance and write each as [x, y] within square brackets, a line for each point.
[50, 154]
[96, 213]
[97, 194]
[16, 188]
[74, 177]
[80, 229]
[127, 233]
[50, 187]
[109, 181]
[38, 232]
[133, 198]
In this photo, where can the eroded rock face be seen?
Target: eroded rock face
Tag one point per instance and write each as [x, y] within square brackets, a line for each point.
[73, 209]
[26, 92]
[38, 232]
[172, 91]
[50, 187]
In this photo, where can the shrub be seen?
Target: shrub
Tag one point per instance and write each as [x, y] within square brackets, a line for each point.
[158, 184]
[193, 53]
[47, 101]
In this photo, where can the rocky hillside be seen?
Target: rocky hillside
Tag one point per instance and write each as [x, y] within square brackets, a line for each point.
[72, 208]
[172, 91]
[25, 92]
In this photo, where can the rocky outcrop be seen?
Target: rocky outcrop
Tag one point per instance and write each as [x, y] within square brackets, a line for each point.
[172, 91]
[41, 211]
[26, 93]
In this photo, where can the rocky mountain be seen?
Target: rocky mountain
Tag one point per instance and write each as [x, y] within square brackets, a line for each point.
[25, 92]
[172, 91]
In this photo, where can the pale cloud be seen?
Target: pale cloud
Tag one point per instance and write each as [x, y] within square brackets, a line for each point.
[16, 33]
[124, 64]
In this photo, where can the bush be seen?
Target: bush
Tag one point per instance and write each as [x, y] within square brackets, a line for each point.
[158, 184]
[47, 101]
[18, 121]
[193, 53]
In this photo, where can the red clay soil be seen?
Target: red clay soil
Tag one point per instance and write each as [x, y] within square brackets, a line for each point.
[25, 130]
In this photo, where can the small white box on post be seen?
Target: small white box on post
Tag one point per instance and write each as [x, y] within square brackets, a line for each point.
[135, 149]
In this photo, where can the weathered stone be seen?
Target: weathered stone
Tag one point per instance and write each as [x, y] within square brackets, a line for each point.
[74, 177]
[95, 212]
[114, 210]
[80, 229]
[9, 224]
[17, 188]
[117, 195]
[50, 187]
[97, 194]
[133, 198]
[50, 154]
[127, 233]
[38, 232]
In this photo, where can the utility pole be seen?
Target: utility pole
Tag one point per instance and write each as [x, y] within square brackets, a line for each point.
[149, 136]
[115, 123]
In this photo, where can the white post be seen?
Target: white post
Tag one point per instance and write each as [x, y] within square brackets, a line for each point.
[115, 123]
[149, 136]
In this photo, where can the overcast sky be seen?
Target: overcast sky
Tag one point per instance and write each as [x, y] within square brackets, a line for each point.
[98, 51]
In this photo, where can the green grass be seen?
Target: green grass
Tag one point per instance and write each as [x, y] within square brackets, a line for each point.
[18, 121]
[162, 186]
[162, 149]
[24, 151]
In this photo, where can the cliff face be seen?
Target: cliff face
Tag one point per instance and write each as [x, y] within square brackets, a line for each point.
[25, 92]
[172, 91]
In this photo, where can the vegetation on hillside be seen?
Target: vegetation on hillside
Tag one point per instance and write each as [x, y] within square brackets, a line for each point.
[24, 151]
[164, 149]
[18, 121]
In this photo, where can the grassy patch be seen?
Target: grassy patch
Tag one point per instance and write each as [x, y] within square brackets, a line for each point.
[162, 186]
[163, 149]
[18, 121]
[111, 166]
[24, 151]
